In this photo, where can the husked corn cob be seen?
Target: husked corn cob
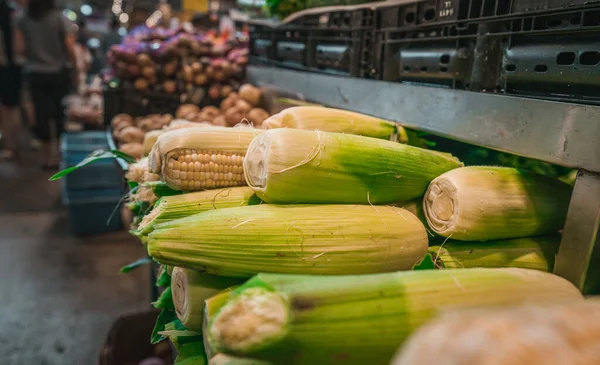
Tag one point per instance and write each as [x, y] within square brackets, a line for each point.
[311, 239]
[479, 203]
[184, 205]
[535, 253]
[286, 166]
[565, 333]
[190, 289]
[150, 139]
[202, 158]
[362, 319]
[335, 120]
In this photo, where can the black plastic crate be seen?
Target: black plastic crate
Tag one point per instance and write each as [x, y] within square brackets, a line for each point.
[441, 56]
[137, 103]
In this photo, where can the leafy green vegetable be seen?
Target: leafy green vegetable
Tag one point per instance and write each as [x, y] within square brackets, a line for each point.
[192, 353]
[137, 263]
[93, 157]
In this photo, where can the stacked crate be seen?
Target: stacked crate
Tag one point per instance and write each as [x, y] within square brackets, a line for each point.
[92, 193]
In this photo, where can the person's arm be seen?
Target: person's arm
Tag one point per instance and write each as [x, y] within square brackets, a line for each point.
[18, 42]
[70, 47]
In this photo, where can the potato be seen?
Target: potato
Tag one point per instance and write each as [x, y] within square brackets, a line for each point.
[144, 60]
[214, 92]
[131, 134]
[242, 105]
[133, 70]
[141, 84]
[209, 113]
[200, 79]
[219, 121]
[210, 71]
[149, 72]
[170, 68]
[187, 73]
[196, 67]
[234, 116]
[133, 149]
[226, 90]
[257, 116]
[251, 94]
[121, 118]
[170, 86]
[186, 109]
[229, 101]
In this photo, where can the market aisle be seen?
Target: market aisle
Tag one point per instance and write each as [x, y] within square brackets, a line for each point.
[59, 293]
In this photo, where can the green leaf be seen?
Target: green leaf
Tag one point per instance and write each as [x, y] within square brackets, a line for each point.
[426, 263]
[164, 279]
[92, 157]
[165, 301]
[132, 185]
[134, 265]
[163, 318]
[191, 353]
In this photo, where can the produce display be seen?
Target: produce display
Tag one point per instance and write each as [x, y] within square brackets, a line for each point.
[178, 61]
[320, 238]
[551, 335]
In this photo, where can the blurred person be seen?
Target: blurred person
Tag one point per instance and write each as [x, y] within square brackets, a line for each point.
[112, 37]
[10, 83]
[46, 40]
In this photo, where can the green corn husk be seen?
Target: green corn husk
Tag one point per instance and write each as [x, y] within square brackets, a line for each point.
[190, 289]
[161, 189]
[362, 319]
[306, 239]
[536, 253]
[288, 166]
[335, 120]
[181, 206]
[415, 206]
[480, 203]
[222, 359]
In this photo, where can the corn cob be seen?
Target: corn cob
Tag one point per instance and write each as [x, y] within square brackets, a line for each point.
[222, 359]
[481, 203]
[335, 120]
[212, 306]
[201, 158]
[184, 205]
[315, 239]
[551, 335]
[535, 253]
[303, 319]
[292, 166]
[190, 290]
[150, 139]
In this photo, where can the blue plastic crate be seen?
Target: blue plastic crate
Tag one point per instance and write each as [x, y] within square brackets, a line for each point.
[103, 173]
[94, 211]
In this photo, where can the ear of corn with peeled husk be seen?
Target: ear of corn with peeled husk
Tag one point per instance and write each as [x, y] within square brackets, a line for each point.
[316, 239]
[212, 306]
[296, 166]
[180, 206]
[527, 253]
[335, 120]
[150, 139]
[362, 319]
[486, 203]
[190, 289]
[201, 158]
[565, 333]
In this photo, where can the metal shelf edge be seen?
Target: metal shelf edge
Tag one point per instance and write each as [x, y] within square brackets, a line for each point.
[561, 133]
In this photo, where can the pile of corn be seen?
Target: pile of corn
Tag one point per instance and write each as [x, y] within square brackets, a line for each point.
[308, 246]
